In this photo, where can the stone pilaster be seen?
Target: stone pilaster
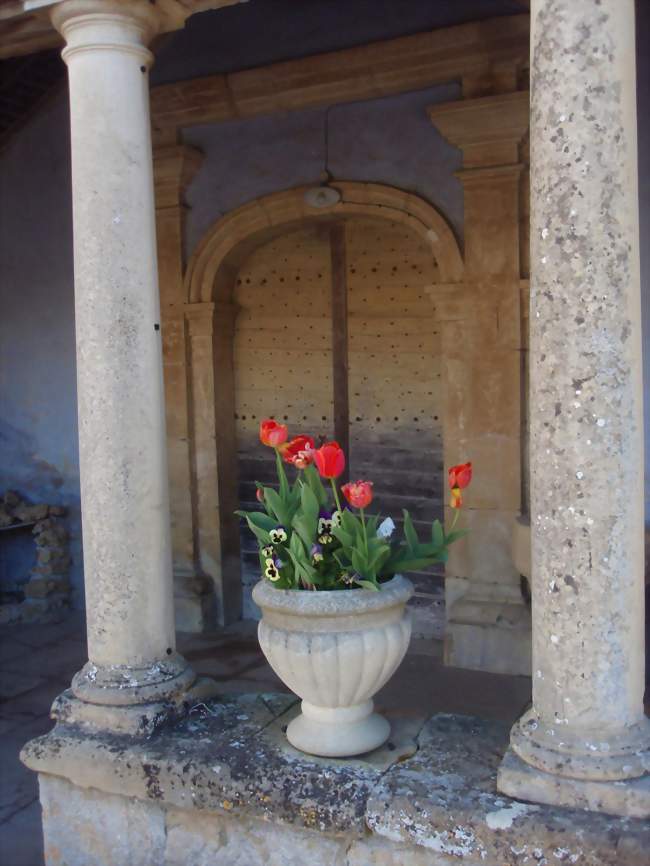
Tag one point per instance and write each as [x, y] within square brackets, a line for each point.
[134, 673]
[488, 622]
[586, 741]
[209, 329]
[174, 167]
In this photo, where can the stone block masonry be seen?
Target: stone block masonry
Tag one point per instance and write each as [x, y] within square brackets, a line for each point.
[223, 788]
[46, 594]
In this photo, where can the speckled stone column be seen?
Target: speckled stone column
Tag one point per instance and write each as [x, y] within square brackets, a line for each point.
[586, 741]
[124, 485]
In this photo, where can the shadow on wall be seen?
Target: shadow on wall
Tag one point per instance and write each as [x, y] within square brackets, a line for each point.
[36, 480]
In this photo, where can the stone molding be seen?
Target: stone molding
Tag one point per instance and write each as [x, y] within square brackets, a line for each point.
[488, 130]
[174, 166]
[365, 72]
[289, 206]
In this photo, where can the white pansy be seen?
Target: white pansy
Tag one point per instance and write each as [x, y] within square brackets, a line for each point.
[386, 528]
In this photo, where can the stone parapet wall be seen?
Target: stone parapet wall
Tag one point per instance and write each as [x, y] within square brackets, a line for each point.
[223, 788]
[47, 590]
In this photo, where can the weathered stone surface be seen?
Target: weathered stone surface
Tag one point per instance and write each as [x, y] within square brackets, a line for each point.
[445, 800]
[233, 792]
[85, 827]
[215, 840]
[586, 428]
[218, 759]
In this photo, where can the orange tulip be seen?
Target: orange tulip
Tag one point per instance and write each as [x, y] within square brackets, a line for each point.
[330, 460]
[358, 493]
[459, 478]
[272, 433]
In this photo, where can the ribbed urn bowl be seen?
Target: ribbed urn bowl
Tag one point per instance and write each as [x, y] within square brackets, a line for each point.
[335, 650]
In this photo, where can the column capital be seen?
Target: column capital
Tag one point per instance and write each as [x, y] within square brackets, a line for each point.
[488, 130]
[87, 24]
[174, 166]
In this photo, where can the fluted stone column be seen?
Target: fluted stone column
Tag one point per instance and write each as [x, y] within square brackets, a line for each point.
[133, 667]
[586, 741]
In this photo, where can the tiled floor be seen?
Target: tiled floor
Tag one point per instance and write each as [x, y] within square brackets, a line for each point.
[37, 662]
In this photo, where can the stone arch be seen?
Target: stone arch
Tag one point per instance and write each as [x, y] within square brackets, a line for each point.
[232, 237]
[210, 316]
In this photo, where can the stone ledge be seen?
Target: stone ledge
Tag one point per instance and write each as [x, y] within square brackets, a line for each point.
[230, 759]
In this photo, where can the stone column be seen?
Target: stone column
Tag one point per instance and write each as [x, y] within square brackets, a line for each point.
[174, 166]
[488, 622]
[209, 328]
[586, 741]
[123, 461]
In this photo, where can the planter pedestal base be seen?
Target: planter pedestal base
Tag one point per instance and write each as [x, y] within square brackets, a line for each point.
[335, 732]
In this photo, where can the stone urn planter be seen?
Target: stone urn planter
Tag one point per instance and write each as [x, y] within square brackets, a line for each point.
[335, 650]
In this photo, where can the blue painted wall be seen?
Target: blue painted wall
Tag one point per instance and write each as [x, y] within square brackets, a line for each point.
[38, 424]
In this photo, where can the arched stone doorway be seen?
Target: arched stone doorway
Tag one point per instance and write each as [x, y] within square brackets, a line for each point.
[263, 321]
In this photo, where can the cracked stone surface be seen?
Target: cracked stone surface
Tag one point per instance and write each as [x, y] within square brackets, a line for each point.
[228, 761]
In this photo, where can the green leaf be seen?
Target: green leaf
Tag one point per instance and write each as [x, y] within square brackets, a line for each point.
[261, 534]
[367, 584]
[282, 478]
[304, 528]
[341, 535]
[309, 505]
[412, 540]
[311, 476]
[437, 533]
[371, 525]
[454, 536]
[379, 558]
[278, 507]
[359, 563]
[262, 520]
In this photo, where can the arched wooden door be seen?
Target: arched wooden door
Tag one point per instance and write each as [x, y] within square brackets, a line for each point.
[335, 335]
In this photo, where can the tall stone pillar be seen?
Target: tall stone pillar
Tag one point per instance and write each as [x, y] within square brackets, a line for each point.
[133, 668]
[586, 741]
[488, 622]
[209, 329]
[174, 166]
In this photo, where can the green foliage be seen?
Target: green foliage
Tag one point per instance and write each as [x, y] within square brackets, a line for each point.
[305, 543]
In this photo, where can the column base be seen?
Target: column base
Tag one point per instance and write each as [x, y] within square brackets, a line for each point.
[489, 636]
[138, 720]
[193, 602]
[627, 798]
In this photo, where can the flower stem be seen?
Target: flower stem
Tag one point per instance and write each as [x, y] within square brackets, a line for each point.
[282, 476]
[454, 521]
[336, 495]
[365, 531]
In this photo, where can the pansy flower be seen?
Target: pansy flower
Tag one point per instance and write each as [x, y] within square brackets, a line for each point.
[272, 570]
[267, 551]
[325, 521]
[325, 538]
[278, 535]
[316, 553]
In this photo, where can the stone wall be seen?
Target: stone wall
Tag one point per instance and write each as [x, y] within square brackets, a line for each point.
[45, 595]
[223, 788]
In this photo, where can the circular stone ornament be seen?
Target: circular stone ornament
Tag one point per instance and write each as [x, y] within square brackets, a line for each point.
[335, 649]
[322, 196]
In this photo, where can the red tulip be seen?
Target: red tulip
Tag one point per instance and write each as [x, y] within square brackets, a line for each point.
[330, 460]
[299, 452]
[459, 477]
[272, 433]
[358, 493]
